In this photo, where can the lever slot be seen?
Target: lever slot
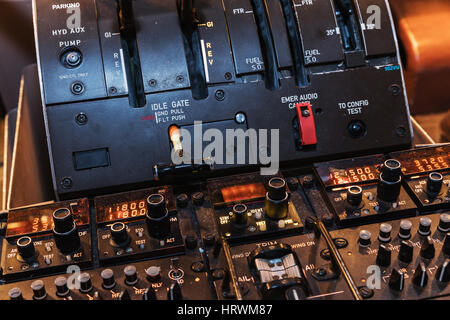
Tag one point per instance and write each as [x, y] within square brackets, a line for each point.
[189, 25]
[267, 46]
[135, 83]
[348, 25]
[301, 78]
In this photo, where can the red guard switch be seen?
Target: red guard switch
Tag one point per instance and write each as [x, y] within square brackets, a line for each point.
[306, 124]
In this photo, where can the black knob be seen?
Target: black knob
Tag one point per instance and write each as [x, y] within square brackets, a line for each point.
[174, 292]
[209, 239]
[149, 294]
[384, 256]
[15, 294]
[240, 214]
[354, 195]
[62, 289]
[446, 245]
[130, 275]
[425, 226]
[385, 232]
[39, 291]
[434, 183]
[119, 234]
[276, 201]
[364, 238]
[390, 181]
[108, 279]
[420, 277]
[158, 220]
[406, 252]
[293, 183]
[25, 247]
[397, 280]
[153, 274]
[191, 241]
[182, 200]
[443, 272]
[444, 223]
[405, 229]
[85, 282]
[427, 251]
[65, 231]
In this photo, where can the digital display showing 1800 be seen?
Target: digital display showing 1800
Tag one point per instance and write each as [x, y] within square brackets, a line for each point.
[123, 210]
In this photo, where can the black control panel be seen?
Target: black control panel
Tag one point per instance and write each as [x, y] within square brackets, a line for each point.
[301, 234]
[118, 76]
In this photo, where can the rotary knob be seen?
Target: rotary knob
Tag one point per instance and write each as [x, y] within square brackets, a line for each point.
[240, 214]
[405, 229]
[420, 277]
[384, 256]
[444, 223]
[65, 231]
[385, 232]
[25, 247]
[108, 279]
[158, 220]
[39, 292]
[364, 238]
[354, 195]
[427, 251]
[15, 294]
[153, 274]
[397, 280]
[85, 282]
[390, 181]
[62, 289]
[130, 275]
[406, 252]
[425, 226]
[434, 183]
[276, 201]
[119, 234]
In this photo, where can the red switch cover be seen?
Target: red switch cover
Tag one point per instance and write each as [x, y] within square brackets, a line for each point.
[306, 124]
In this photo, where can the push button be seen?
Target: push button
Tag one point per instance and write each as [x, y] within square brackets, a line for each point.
[319, 32]
[307, 126]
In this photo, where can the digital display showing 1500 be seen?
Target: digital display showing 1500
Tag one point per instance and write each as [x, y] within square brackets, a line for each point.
[353, 175]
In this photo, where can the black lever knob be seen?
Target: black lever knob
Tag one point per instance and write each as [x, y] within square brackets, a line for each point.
[39, 292]
[443, 272]
[397, 280]
[276, 202]
[174, 292]
[124, 295]
[425, 226]
[444, 223]
[405, 229]
[390, 181]
[420, 277]
[384, 256]
[119, 234]
[158, 220]
[354, 195]
[240, 214]
[427, 250]
[295, 293]
[446, 246]
[25, 247]
[149, 294]
[406, 252]
[65, 231]
[434, 183]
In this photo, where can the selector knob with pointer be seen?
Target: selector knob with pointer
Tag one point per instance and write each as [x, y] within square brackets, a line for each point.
[25, 247]
[65, 231]
[390, 181]
[119, 234]
[158, 220]
[354, 195]
[434, 183]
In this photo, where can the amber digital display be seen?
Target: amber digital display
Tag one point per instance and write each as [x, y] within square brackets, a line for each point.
[425, 160]
[123, 210]
[243, 192]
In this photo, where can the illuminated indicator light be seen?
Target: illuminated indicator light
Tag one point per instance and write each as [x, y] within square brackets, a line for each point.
[175, 138]
[227, 234]
[243, 192]
[197, 279]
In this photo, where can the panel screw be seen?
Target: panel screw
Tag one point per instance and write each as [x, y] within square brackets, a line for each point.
[240, 118]
[77, 88]
[152, 82]
[365, 292]
[113, 90]
[81, 118]
[220, 95]
[400, 131]
[228, 76]
[66, 183]
[395, 89]
[180, 78]
[321, 272]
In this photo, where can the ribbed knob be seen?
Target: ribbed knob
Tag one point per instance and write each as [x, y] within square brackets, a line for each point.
[240, 214]
[153, 274]
[25, 247]
[108, 279]
[425, 226]
[158, 220]
[354, 195]
[385, 232]
[65, 231]
[444, 223]
[390, 179]
[364, 238]
[276, 202]
[130, 275]
[119, 233]
[15, 294]
[85, 282]
[405, 229]
[39, 291]
[434, 183]
[61, 287]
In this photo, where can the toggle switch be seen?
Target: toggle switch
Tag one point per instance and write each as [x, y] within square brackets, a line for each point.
[306, 124]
